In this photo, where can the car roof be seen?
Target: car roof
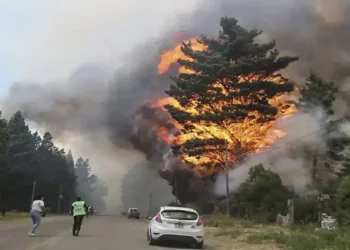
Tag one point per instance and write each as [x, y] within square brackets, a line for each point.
[178, 208]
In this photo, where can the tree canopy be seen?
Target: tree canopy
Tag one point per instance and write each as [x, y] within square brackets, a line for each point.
[260, 197]
[317, 93]
[224, 91]
[26, 157]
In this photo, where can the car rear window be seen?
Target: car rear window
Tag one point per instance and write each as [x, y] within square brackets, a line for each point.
[179, 215]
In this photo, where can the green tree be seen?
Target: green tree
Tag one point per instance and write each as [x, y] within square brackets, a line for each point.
[318, 93]
[70, 162]
[343, 202]
[305, 210]
[21, 161]
[227, 84]
[4, 147]
[338, 146]
[25, 157]
[22, 149]
[85, 179]
[262, 196]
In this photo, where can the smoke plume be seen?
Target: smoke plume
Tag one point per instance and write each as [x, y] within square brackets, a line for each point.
[94, 103]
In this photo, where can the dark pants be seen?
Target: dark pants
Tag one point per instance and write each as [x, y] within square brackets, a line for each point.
[78, 220]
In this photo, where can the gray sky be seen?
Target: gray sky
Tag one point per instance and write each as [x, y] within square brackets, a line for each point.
[46, 40]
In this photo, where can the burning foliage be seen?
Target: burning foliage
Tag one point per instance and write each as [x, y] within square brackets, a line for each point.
[203, 120]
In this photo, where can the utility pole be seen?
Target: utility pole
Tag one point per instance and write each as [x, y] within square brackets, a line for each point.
[33, 193]
[59, 199]
[150, 204]
[291, 211]
[227, 184]
[176, 199]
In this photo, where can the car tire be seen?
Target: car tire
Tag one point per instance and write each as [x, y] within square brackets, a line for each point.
[150, 240]
[200, 245]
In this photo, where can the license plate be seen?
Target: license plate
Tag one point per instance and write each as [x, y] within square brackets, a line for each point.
[179, 225]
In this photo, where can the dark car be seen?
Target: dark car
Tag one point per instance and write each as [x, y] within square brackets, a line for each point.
[133, 213]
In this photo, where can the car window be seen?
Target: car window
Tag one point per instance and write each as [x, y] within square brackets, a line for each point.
[179, 215]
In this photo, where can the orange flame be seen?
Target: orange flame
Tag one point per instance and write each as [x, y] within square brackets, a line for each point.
[252, 135]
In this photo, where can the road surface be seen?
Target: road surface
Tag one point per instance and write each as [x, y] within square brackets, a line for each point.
[98, 233]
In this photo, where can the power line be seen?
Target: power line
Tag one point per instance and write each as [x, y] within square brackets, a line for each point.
[293, 141]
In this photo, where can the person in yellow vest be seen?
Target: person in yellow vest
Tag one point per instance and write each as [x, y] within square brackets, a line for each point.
[78, 211]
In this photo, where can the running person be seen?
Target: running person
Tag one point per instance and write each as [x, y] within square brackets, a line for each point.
[35, 212]
[79, 209]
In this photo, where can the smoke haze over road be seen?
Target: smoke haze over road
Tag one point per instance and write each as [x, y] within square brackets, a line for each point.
[116, 46]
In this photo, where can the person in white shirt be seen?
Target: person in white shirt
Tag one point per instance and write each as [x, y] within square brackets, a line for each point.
[36, 210]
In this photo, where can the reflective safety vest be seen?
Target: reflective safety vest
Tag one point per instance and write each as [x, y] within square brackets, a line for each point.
[78, 208]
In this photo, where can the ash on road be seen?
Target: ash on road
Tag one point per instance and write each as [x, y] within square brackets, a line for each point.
[99, 232]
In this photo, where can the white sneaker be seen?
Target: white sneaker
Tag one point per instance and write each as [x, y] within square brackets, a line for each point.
[32, 234]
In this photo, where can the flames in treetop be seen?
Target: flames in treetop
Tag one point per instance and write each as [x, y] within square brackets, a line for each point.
[251, 135]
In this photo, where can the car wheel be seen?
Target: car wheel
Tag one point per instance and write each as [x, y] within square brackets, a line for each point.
[200, 245]
[150, 240]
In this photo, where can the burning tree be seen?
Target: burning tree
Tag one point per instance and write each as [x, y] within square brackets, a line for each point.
[227, 95]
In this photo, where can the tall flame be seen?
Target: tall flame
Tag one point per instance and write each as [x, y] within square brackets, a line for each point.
[253, 136]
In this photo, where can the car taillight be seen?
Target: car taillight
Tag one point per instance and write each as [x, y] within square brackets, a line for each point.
[158, 219]
[200, 222]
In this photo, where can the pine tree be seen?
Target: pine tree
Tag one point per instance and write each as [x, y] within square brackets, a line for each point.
[25, 157]
[228, 83]
[21, 144]
[85, 178]
[318, 93]
[4, 170]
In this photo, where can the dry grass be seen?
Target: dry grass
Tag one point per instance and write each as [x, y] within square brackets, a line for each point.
[224, 233]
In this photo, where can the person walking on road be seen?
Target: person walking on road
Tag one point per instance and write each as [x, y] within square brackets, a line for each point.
[36, 209]
[4, 210]
[78, 210]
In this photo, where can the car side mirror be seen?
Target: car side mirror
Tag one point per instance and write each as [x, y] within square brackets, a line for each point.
[149, 218]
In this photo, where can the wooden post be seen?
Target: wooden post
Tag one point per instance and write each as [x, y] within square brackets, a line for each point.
[291, 211]
[226, 168]
[150, 204]
[33, 194]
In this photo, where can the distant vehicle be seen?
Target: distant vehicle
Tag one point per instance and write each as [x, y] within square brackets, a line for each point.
[133, 213]
[178, 224]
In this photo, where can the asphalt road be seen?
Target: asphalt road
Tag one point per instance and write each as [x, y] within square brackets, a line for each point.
[97, 233]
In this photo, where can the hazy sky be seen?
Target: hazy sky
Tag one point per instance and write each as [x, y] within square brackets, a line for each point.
[46, 40]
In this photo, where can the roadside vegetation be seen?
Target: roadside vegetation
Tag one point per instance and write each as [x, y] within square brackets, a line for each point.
[229, 233]
[227, 95]
[31, 163]
[11, 216]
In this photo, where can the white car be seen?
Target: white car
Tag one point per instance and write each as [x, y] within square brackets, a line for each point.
[176, 224]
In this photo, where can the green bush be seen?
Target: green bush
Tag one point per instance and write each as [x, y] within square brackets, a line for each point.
[305, 210]
[261, 197]
[343, 202]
